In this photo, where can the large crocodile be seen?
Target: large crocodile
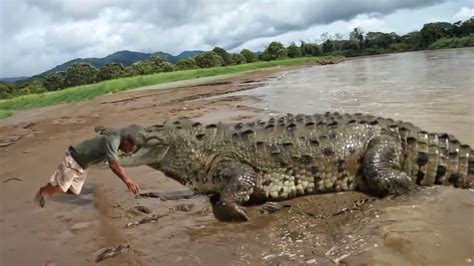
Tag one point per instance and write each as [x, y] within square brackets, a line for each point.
[295, 155]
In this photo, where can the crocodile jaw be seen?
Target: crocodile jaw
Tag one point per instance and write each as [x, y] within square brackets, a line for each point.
[144, 156]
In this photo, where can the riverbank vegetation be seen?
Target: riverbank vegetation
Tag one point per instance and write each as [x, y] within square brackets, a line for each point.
[86, 92]
[435, 35]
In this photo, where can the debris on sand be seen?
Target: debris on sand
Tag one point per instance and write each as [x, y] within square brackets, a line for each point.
[143, 209]
[152, 219]
[112, 252]
[11, 179]
[184, 207]
[148, 195]
[28, 125]
[10, 140]
[272, 207]
[337, 253]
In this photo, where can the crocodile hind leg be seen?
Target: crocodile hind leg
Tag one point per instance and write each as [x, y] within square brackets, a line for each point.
[239, 180]
[381, 168]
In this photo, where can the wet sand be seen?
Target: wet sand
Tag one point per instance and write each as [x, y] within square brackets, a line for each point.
[417, 229]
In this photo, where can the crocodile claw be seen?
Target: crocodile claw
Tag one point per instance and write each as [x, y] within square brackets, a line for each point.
[229, 212]
[398, 186]
[401, 186]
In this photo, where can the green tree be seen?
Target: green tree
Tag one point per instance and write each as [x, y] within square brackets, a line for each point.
[400, 47]
[338, 42]
[463, 28]
[156, 60]
[357, 36]
[142, 68]
[380, 40]
[237, 59]
[431, 32]
[55, 81]
[36, 86]
[6, 90]
[293, 50]
[111, 71]
[209, 59]
[80, 74]
[315, 49]
[158, 64]
[306, 49]
[129, 71]
[250, 56]
[275, 50]
[186, 63]
[348, 45]
[413, 39]
[223, 54]
[328, 46]
[167, 67]
[29, 87]
[466, 27]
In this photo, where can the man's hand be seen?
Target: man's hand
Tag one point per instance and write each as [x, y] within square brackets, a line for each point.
[132, 187]
[120, 172]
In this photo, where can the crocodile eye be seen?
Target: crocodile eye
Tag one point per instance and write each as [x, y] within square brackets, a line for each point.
[153, 141]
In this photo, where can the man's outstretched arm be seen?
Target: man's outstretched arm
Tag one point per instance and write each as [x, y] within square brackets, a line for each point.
[120, 172]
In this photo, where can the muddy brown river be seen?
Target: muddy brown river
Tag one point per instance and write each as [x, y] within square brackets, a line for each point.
[434, 226]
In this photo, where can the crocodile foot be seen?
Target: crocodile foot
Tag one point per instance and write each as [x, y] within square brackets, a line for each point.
[226, 211]
[397, 185]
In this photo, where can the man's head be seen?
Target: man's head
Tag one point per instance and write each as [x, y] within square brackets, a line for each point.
[130, 138]
[140, 146]
[127, 145]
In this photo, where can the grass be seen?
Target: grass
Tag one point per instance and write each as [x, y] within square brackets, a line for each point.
[87, 92]
[5, 113]
[466, 41]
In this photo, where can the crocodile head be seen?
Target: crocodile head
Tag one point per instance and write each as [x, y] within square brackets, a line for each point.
[151, 144]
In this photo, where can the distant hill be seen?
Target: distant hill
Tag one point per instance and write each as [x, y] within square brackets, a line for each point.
[13, 79]
[127, 58]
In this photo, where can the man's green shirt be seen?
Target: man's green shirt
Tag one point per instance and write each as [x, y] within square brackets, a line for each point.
[102, 148]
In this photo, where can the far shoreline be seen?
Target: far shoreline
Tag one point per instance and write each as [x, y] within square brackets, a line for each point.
[92, 91]
[347, 58]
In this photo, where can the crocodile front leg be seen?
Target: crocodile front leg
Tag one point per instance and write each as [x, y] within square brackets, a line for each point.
[381, 172]
[239, 182]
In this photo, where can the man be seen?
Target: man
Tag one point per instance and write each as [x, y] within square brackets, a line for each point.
[70, 175]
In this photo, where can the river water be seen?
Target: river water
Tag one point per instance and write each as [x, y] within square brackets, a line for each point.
[433, 226]
[433, 89]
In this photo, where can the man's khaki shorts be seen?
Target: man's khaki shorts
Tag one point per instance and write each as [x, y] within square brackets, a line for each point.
[69, 175]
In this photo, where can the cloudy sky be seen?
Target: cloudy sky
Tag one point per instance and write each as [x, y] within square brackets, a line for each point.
[37, 35]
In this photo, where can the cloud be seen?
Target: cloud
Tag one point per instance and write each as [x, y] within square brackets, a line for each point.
[464, 13]
[38, 34]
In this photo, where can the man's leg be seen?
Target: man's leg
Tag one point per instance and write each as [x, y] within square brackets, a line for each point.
[49, 190]
[68, 178]
[46, 190]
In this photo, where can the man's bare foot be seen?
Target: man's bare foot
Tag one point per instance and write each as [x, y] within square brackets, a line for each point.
[39, 199]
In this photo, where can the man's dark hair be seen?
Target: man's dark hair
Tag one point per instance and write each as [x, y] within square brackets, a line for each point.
[132, 133]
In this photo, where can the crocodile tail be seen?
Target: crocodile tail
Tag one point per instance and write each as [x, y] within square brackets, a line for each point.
[438, 159]
[429, 158]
